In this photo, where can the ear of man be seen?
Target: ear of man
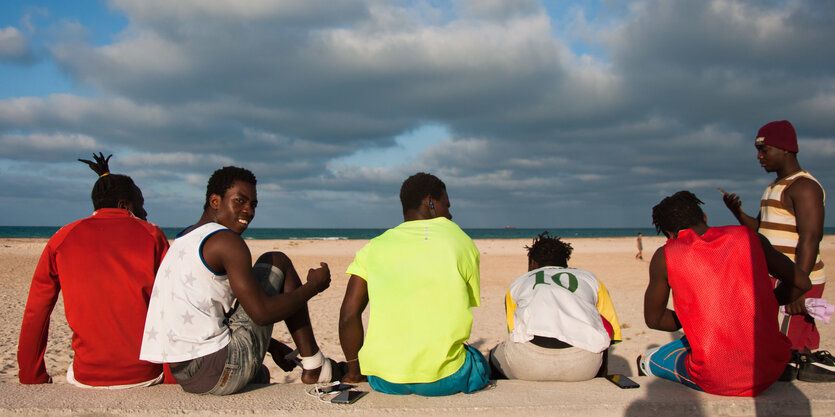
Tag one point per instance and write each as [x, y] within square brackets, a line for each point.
[214, 201]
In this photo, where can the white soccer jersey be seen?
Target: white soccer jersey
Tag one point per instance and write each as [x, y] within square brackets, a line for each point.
[563, 303]
[189, 303]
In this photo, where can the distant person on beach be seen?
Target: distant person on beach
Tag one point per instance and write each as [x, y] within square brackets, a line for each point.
[105, 265]
[561, 320]
[791, 217]
[723, 300]
[421, 280]
[211, 313]
[640, 254]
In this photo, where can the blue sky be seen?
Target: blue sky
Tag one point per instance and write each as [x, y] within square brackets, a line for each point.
[535, 114]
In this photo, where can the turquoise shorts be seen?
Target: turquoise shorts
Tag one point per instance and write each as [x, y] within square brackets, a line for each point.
[668, 362]
[473, 375]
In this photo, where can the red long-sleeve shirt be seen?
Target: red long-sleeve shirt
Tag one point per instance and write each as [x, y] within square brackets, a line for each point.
[106, 265]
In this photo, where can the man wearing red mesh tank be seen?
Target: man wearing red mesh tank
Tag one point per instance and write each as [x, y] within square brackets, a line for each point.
[723, 300]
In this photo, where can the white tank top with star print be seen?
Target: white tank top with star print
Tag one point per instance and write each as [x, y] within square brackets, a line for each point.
[189, 303]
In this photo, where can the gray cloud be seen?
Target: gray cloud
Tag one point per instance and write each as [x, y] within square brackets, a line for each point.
[14, 47]
[664, 95]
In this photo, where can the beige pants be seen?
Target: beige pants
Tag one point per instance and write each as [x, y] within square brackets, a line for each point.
[534, 363]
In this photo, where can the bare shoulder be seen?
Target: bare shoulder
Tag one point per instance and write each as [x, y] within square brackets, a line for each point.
[225, 239]
[224, 249]
[659, 255]
[805, 188]
[658, 264]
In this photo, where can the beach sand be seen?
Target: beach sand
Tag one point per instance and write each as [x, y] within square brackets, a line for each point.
[611, 259]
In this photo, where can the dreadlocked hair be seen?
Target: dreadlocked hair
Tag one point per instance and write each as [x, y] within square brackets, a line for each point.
[224, 178]
[109, 189]
[549, 250]
[417, 187]
[677, 212]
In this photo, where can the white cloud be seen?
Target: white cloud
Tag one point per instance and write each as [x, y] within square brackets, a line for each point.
[173, 159]
[44, 147]
[13, 45]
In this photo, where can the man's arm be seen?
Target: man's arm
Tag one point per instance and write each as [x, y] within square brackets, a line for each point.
[350, 326]
[734, 204]
[656, 314]
[226, 251]
[34, 331]
[160, 248]
[806, 199]
[794, 282]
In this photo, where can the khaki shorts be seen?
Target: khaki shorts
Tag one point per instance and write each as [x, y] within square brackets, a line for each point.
[534, 363]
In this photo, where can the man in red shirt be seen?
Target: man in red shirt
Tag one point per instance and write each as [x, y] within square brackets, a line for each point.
[723, 300]
[106, 265]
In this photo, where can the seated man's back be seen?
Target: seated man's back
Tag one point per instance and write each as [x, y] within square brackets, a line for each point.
[105, 265]
[421, 279]
[561, 320]
[728, 317]
[420, 303]
[724, 302]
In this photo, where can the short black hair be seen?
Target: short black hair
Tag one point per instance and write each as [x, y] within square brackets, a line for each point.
[677, 212]
[549, 250]
[224, 178]
[110, 188]
[417, 187]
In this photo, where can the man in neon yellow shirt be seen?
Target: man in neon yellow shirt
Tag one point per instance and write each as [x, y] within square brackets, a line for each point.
[421, 279]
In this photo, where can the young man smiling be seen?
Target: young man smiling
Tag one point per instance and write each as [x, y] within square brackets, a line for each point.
[212, 313]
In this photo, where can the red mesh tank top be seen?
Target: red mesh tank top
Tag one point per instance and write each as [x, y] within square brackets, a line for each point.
[725, 301]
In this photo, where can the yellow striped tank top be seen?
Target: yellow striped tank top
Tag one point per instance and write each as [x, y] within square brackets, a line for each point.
[779, 225]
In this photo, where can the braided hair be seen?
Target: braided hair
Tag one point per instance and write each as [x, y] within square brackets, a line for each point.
[677, 212]
[224, 178]
[417, 187]
[109, 189]
[549, 250]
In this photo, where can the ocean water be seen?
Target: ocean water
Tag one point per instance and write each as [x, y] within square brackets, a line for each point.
[349, 234]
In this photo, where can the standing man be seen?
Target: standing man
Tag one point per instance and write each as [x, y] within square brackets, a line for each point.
[561, 320]
[640, 255]
[105, 264]
[421, 280]
[723, 299]
[211, 313]
[791, 217]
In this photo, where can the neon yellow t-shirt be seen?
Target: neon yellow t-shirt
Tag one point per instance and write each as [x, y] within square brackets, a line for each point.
[422, 278]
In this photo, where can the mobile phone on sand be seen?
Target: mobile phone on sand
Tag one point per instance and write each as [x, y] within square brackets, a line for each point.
[622, 381]
[335, 387]
[348, 397]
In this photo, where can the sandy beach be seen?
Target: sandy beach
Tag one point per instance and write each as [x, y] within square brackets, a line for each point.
[611, 259]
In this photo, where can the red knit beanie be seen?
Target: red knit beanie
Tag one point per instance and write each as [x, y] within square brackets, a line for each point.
[779, 134]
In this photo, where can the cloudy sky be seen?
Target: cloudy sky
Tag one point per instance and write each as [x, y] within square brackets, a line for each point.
[534, 113]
